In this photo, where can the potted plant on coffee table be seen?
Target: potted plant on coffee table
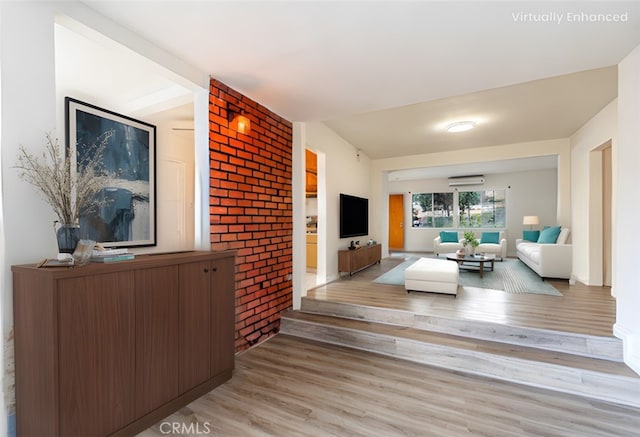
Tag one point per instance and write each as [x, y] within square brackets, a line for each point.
[470, 242]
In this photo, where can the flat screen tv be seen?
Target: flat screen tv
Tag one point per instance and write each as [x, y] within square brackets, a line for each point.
[354, 216]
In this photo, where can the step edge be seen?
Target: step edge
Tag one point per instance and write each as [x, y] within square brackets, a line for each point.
[550, 366]
[611, 341]
[403, 338]
[528, 328]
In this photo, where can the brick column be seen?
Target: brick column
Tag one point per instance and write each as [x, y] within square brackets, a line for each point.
[251, 209]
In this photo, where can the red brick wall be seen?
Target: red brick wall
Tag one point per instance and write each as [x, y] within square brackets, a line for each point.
[251, 210]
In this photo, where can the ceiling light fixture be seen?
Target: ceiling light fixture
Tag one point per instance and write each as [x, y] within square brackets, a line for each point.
[461, 126]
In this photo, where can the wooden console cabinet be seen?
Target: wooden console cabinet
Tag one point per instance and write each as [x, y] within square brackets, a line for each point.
[352, 261]
[110, 349]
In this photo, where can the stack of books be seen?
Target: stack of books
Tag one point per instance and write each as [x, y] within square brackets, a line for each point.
[111, 255]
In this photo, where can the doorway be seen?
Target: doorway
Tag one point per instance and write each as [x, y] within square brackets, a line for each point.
[396, 222]
[316, 222]
[600, 215]
[607, 208]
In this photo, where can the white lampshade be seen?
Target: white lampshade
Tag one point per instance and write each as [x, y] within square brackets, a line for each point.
[530, 220]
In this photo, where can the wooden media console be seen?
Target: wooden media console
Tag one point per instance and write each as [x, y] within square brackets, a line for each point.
[352, 261]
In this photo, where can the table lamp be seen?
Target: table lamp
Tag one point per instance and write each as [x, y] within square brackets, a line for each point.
[531, 220]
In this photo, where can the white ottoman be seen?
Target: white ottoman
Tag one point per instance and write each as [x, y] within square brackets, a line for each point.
[430, 274]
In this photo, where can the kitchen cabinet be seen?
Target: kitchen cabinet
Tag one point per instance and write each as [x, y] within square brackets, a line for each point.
[312, 251]
[311, 173]
[110, 349]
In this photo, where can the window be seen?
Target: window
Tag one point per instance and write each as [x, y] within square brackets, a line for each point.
[481, 209]
[432, 210]
[460, 209]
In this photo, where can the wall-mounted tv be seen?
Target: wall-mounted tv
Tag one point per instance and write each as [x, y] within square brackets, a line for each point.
[354, 216]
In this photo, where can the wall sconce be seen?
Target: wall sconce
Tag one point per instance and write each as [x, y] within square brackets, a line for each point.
[238, 121]
[530, 220]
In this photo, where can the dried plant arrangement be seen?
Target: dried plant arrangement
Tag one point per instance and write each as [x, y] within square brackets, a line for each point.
[69, 193]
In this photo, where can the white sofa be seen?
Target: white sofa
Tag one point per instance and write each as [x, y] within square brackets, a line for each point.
[547, 260]
[440, 247]
[499, 250]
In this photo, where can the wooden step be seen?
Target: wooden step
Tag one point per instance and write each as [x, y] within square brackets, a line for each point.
[590, 377]
[606, 348]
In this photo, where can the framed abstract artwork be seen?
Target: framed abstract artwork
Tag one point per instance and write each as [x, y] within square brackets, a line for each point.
[126, 215]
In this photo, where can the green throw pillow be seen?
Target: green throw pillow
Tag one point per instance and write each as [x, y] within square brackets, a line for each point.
[531, 236]
[549, 235]
[448, 237]
[490, 237]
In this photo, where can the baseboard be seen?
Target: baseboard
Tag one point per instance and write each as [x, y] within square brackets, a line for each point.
[631, 353]
[332, 278]
[582, 281]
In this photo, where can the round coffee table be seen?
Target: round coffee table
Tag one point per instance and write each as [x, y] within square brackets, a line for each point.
[473, 262]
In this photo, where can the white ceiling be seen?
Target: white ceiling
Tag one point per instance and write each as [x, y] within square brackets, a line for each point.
[388, 75]
[478, 168]
[538, 110]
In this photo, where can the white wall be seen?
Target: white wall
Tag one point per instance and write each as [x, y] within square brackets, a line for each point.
[527, 193]
[586, 193]
[174, 152]
[626, 156]
[345, 173]
[29, 108]
[380, 168]
[299, 222]
[28, 111]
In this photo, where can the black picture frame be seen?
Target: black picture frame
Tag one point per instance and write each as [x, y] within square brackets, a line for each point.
[128, 218]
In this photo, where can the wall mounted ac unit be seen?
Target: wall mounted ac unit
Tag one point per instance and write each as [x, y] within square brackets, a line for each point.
[457, 181]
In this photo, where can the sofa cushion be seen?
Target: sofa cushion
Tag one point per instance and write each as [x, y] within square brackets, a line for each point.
[563, 237]
[534, 255]
[448, 237]
[549, 235]
[531, 236]
[490, 237]
[530, 251]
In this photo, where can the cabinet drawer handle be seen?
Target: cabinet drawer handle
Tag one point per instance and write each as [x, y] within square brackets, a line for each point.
[215, 269]
[206, 270]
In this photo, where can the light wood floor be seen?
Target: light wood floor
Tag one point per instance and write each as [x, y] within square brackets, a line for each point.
[580, 309]
[293, 387]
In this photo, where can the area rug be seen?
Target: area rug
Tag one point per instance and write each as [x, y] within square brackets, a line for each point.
[510, 275]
